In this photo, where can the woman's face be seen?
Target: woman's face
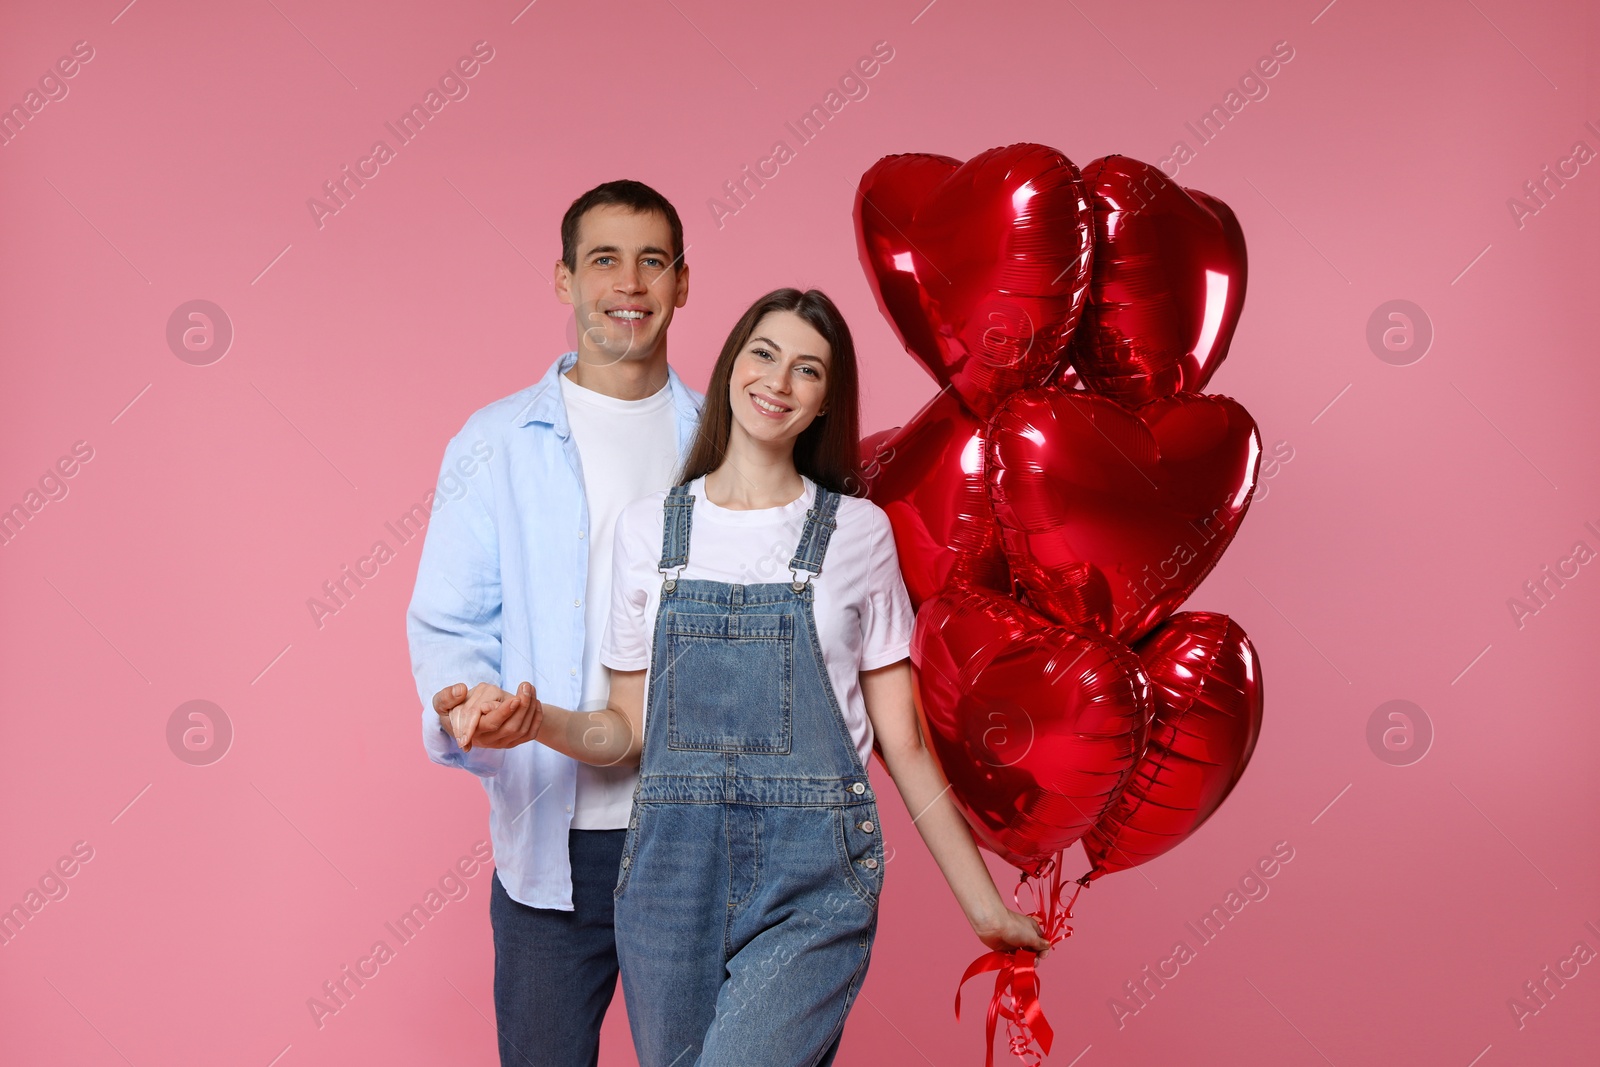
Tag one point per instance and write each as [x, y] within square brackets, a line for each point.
[779, 380]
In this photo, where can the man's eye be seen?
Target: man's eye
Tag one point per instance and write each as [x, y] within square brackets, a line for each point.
[602, 261]
[653, 262]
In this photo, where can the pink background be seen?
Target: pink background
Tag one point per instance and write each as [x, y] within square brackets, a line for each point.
[1376, 566]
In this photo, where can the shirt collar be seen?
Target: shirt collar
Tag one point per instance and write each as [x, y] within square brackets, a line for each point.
[545, 404]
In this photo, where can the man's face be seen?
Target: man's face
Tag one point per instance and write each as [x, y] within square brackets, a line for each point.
[625, 286]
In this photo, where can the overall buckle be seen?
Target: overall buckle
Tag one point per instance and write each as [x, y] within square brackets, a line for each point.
[670, 580]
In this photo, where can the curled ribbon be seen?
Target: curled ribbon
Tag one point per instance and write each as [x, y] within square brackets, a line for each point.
[1016, 983]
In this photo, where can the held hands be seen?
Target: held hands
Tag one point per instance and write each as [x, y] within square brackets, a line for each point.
[488, 716]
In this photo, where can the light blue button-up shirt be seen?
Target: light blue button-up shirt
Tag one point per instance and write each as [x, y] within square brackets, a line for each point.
[499, 598]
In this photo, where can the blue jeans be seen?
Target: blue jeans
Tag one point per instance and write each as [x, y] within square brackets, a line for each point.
[748, 895]
[555, 971]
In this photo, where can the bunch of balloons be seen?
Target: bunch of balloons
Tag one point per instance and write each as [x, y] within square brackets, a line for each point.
[1060, 498]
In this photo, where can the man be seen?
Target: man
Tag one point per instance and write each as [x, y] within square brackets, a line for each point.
[514, 586]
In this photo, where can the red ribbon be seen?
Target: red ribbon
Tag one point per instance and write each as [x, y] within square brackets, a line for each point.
[1016, 982]
[1016, 996]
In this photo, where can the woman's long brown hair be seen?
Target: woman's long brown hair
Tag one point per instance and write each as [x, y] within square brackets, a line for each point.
[826, 451]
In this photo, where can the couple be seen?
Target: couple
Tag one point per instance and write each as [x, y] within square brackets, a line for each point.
[627, 559]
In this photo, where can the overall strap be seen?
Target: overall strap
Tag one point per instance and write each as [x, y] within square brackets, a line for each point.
[820, 525]
[675, 532]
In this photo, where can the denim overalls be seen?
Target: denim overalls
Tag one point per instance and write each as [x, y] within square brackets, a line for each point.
[748, 896]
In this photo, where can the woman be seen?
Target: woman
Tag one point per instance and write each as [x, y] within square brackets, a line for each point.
[747, 901]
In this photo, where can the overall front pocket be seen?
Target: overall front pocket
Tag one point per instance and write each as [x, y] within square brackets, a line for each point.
[729, 682]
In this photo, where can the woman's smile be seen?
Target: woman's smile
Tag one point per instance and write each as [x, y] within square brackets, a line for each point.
[769, 407]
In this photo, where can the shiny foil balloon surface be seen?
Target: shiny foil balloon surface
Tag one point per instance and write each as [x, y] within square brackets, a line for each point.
[1066, 491]
[1037, 727]
[1208, 701]
[1110, 518]
[928, 477]
[1167, 286]
[982, 267]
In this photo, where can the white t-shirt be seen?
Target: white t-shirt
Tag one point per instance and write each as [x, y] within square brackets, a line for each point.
[863, 614]
[627, 448]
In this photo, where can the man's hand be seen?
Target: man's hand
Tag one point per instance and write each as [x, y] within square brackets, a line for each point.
[488, 716]
[515, 720]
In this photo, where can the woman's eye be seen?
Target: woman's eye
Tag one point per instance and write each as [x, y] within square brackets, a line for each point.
[762, 353]
[811, 371]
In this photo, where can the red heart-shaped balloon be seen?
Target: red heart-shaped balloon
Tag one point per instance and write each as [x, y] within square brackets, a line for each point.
[1208, 699]
[1036, 726]
[981, 266]
[928, 478]
[1167, 286]
[1110, 518]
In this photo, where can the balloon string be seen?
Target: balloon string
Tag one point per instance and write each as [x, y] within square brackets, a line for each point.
[1016, 983]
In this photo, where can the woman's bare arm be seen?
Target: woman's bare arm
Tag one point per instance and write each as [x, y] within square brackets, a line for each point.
[890, 695]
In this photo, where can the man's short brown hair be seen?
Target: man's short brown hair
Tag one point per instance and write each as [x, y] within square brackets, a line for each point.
[636, 196]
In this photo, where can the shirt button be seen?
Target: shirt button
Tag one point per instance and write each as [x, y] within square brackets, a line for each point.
[870, 864]
[624, 861]
[577, 602]
[572, 671]
[569, 809]
[580, 535]
[858, 789]
[866, 827]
